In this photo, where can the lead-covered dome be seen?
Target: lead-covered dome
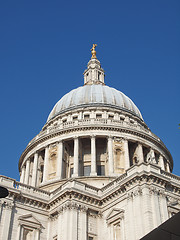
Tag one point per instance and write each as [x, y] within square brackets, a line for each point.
[94, 95]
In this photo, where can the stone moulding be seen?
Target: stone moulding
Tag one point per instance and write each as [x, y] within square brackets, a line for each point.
[99, 197]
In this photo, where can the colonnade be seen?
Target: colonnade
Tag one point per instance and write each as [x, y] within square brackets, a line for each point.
[25, 173]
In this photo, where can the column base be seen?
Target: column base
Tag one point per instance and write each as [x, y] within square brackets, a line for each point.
[93, 174]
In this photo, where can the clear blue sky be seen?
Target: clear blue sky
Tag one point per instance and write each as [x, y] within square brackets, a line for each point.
[45, 47]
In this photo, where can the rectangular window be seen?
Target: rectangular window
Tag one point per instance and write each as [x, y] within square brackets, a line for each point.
[86, 116]
[75, 117]
[87, 170]
[98, 115]
[99, 74]
[100, 170]
[90, 238]
[110, 116]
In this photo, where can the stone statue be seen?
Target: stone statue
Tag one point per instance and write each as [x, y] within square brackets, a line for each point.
[93, 51]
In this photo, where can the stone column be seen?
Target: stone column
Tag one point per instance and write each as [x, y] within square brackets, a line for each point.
[110, 153]
[151, 156]
[34, 174]
[167, 167]
[26, 180]
[7, 220]
[140, 153]
[93, 156]
[59, 160]
[161, 162]
[22, 174]
[76, 157]
[126, 154]
[46, 159]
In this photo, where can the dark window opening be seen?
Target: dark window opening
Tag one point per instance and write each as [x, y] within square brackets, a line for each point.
[86, 116]
[98, 115]
[100, 170]
[111, 116]
[87, 170]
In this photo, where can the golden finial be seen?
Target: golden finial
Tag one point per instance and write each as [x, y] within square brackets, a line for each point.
[93, 51]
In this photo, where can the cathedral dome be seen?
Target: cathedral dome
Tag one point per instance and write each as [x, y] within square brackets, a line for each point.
[94, 95]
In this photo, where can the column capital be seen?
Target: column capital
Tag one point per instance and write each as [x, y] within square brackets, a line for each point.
[93, 136]
[140, 143]
[110, 137]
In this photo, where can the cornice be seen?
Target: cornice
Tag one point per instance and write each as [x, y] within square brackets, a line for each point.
[127, 186]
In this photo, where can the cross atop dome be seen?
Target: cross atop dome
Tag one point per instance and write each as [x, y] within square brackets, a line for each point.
[94, 74]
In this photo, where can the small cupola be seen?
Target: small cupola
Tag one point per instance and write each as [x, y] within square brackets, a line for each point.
[94, 74]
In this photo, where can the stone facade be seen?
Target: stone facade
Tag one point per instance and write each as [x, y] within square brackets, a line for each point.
[94, 171]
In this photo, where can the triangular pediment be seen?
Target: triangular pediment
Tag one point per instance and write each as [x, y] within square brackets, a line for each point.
[114, 215]
[29, 218]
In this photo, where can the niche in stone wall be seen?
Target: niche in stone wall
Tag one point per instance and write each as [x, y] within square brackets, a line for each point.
[52, 161]
[119, 156]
